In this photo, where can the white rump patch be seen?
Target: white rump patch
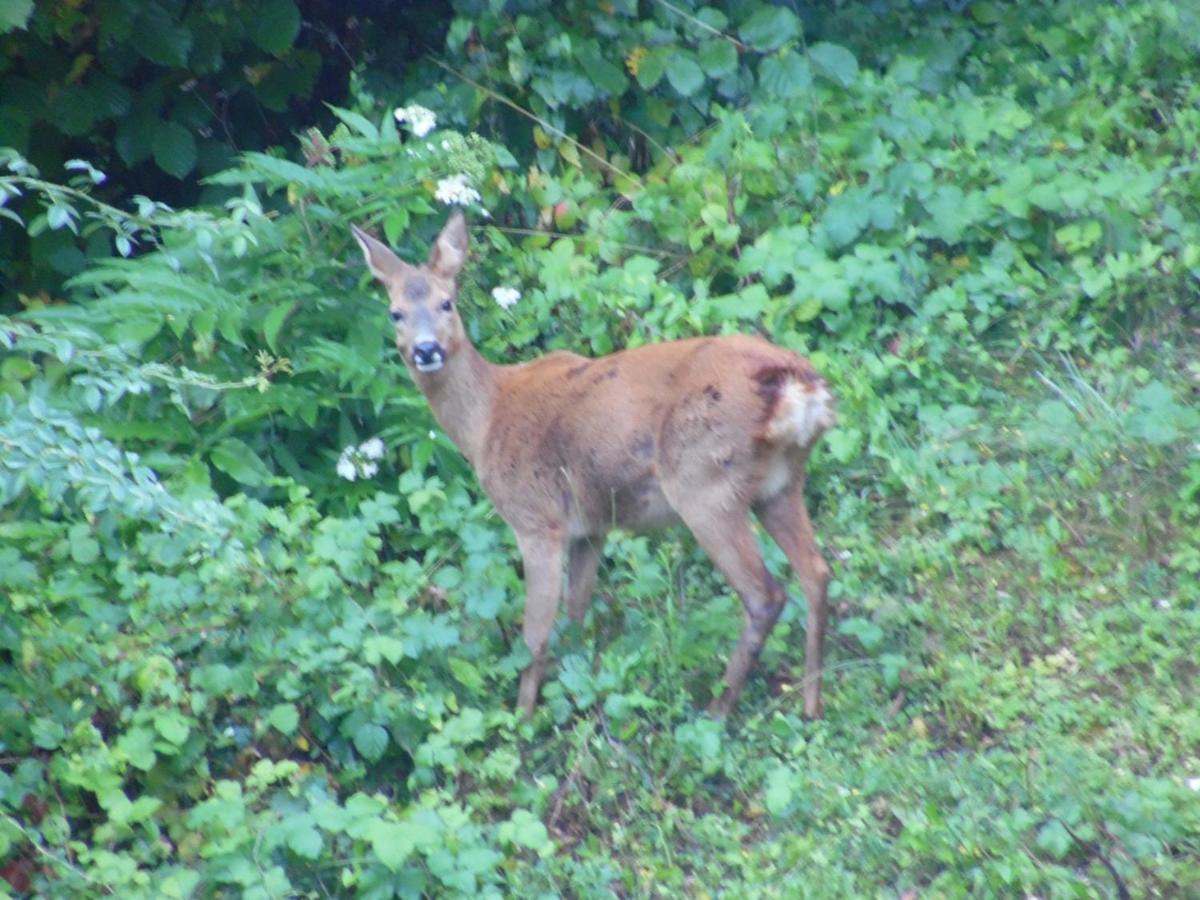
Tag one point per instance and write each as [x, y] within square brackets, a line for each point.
[801, 415]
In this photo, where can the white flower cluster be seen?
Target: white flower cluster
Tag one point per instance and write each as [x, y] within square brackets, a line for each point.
[420, 120]
[360, 461]
[505, 297]
[456, 189]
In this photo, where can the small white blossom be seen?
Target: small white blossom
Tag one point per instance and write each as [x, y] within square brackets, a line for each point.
[456, 189]
[359, 462]
[1163, 603]
[1194, 784]
[420, 120]
[505, 297]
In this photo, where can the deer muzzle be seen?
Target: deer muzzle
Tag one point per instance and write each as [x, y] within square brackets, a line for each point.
[428, 356]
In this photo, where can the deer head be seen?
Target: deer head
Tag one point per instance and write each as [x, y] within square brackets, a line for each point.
[421, 299]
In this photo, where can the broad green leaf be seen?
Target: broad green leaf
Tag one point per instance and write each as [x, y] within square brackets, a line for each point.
[371, 740]
[606, 76]
[1054, 838]
[717, 57]
[683, 73]
[234, 457]
[14, 14]
[393, 842]
[174, 149]
[786, 75]
[653, 66]
[834, 62]
[770, 28]
[284, 717]
[274, 24]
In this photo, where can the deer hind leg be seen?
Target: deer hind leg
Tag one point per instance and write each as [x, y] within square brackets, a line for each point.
[581, 575]
[543, 558]
[786, 519]
[729, 541]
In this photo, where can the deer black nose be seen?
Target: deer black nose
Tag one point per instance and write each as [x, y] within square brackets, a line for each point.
[428, 356]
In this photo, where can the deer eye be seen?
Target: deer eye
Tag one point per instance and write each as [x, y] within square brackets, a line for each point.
[396, 315]
[447, 305]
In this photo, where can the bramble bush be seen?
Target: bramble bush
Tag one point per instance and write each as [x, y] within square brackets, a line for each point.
[231, 669]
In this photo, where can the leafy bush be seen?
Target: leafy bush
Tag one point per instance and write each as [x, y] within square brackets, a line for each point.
[227, 668]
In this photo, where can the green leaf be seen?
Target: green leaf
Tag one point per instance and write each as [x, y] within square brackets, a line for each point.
[274, 25]
[786, 75]
[174, 149]
[371, 740]
[770, 28]
[84, 548]
[1054, 838]
[284, 717]
[235, 458]
[393, 842]
[138, 745]
[304, 840]
[273, 322]
[172, 725]
[525, 829]
[718, 57]
[653, 66]
[779, 790]
[683, 73]
[834, 62]
[14, 14]
[606, 76]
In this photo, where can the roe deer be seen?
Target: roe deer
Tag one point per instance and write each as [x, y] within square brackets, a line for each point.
[702, 431]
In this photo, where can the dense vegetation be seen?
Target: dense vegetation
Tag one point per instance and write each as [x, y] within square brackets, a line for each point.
[226, 668]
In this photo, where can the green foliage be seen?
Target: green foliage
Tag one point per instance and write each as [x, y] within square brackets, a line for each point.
[228, 668]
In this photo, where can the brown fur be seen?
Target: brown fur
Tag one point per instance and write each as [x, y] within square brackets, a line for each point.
[673, 432]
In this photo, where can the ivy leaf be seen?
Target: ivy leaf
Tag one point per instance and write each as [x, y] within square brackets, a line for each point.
[371, 740]
[174, 149]
[834, 62]
[684, 74]
[770, 28]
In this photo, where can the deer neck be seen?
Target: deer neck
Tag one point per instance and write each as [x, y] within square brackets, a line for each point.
[461, 396]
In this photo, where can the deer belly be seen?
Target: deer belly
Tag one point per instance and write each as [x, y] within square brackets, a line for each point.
[637, 504]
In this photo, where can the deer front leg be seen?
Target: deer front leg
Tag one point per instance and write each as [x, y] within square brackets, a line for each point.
[543, 558]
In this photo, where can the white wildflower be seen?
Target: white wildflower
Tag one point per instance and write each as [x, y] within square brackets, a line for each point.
[505, 297]
[359, 462]
[456, 189]
[1163, 603]
[1194, 784]
[420, 120]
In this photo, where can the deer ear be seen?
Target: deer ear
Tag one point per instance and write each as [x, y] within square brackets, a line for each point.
[450, 249]
[383, 263]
